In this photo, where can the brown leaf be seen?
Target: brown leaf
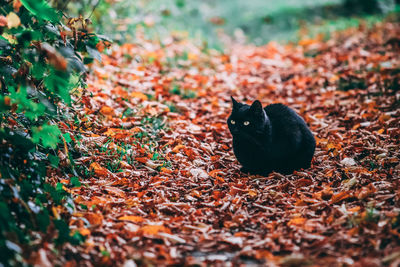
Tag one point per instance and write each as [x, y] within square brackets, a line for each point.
[94, 218]
[366, 191]
[340, 196]
[153, 229]
[115, 191]
[98, 170]
[135, 219]
[106, 110]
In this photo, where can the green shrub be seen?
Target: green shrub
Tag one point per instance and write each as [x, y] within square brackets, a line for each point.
[370, 6]
[41, 61]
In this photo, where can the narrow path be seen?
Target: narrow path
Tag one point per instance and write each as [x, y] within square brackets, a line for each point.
[163, 186]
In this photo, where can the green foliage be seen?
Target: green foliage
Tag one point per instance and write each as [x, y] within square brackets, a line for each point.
[47, 135]
[370, 6]
[41, 61]
[41, 10]
[259, 21]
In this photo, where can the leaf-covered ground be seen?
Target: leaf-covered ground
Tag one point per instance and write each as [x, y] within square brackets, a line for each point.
[163, 187]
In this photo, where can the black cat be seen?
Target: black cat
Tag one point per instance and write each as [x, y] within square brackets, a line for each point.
[271, 139]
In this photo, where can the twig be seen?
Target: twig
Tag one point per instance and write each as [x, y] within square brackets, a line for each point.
[94, 8]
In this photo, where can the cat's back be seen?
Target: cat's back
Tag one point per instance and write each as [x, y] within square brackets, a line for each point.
[286, 123]
[282, 113]
[290, 133]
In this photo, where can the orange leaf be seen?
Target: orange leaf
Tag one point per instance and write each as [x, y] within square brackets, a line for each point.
[252, 192]
[94, 218]
[154, 229]
[307, 42]
[115, 191]
[165, 170]
[304, 182]
[381, 131]
[340, 196]
[131, 218]
[366, 191]
[7, 101]
[98, 170]
[17, 5]
[136, 130]
[139, 95]
[100, 47]
[84, 231]
[215, 173]
[106, 110]
[64, 181]
[141, 159]
[298, 221]
[110, 131]
[353, 231]
[55, 212]
[177, 148]
[355, 209]
[265, 254]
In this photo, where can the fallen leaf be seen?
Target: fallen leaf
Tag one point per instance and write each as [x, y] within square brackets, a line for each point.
[94, 218]
[153, 229]
[135, 219]
[98, 170]
[340, 196]
[106, 110]
[297, 221]
[115, 191]
[139, 95]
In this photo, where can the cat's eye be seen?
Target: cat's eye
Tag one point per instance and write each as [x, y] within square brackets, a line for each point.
[233, 122]
[246, 123]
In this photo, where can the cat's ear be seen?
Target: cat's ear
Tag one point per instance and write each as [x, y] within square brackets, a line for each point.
[256, 108]
[235, 104]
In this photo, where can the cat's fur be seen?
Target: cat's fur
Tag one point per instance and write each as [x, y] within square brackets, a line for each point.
[275, 139]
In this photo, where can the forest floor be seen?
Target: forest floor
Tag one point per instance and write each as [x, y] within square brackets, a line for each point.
[163, 187]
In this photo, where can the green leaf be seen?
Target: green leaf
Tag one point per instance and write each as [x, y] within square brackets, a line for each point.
[38, 69]
[67, 137]
[87, 60]
[105, 253]
[58, 82]
[4, 211]
[76, 238]
[47, 134]
[75, 182]
[43, 220]
[63, 231]
[41, 9]
[54, 160]
[31, 109]
[59, 187]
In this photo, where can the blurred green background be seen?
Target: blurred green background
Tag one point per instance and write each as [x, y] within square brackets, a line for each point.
[255, 21]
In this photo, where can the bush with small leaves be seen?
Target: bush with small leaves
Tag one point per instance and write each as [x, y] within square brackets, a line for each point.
[41, 60]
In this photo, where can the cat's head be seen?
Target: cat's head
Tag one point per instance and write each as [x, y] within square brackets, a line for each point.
[247, 121]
